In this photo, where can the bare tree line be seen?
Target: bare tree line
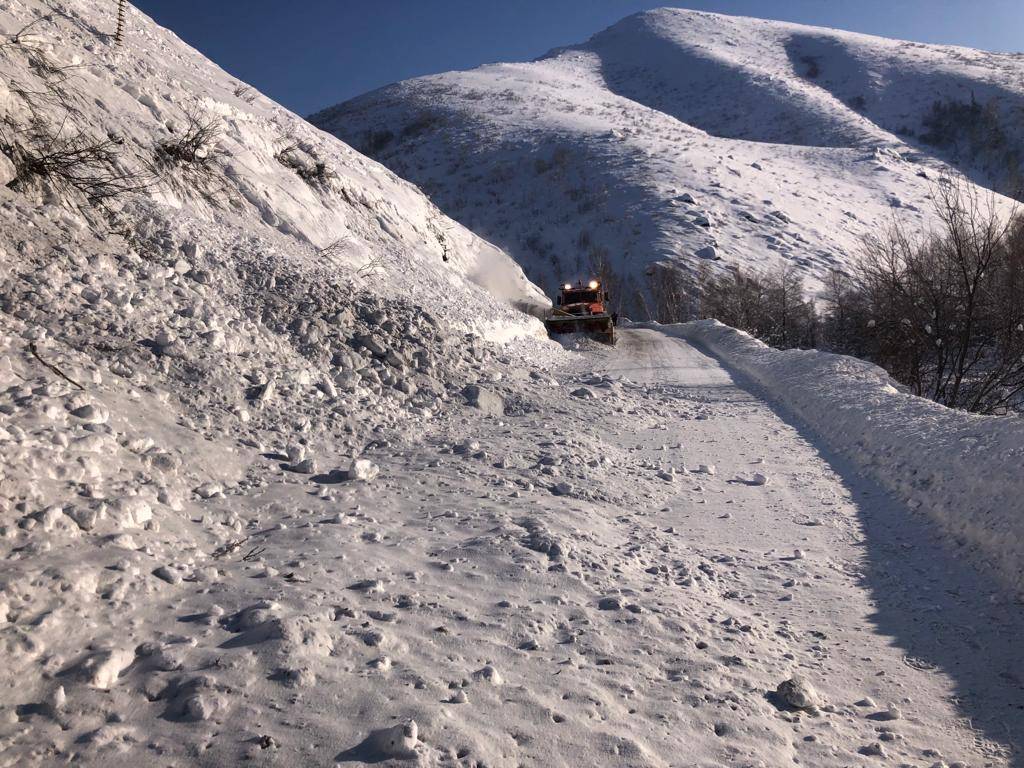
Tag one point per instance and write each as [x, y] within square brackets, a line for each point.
[942, 313]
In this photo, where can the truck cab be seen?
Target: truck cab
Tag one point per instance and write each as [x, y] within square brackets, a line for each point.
[582, 299]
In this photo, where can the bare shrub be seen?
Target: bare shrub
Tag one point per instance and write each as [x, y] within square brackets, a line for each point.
[944, 315]
[304, 160]
[193, 153]
[245, 93]
[37, 58]
[18, 38]
[373, 265]
[195, 145]
[47, 152]
[79, 163]
[336, 248]
[52, 74]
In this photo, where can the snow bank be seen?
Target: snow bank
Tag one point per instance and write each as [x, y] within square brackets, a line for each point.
[962, 470]
[272, 182]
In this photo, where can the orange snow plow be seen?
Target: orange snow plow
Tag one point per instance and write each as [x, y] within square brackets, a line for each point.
[582, 309]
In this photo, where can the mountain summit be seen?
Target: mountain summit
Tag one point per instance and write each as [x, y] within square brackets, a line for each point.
[683, 138]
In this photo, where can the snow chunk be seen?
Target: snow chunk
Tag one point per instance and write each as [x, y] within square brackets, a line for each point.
[797, 693]
[491, 403]
[362, 469]
[489, 674]
[395, 743]
[132, 512]
[102, 669]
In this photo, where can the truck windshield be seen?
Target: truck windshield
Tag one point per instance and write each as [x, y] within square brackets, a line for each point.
[580, 297]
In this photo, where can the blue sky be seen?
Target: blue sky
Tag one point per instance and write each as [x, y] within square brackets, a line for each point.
[309, 54]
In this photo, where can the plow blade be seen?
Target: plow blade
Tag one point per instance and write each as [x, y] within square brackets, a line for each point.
[601, 327]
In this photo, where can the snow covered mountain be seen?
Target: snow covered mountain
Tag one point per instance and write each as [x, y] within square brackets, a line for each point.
[687, 137]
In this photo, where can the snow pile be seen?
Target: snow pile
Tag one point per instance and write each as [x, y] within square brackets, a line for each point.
[220, 172]
[961, 470]
[269, 275]
[203, 299]
[694, 139]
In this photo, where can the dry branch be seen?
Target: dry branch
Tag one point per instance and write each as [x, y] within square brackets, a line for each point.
[35, 353]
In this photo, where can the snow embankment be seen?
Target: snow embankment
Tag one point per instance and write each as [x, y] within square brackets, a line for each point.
[962, 470]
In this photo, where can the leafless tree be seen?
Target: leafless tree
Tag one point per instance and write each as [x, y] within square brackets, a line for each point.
[771, 306]
[673, 293]
[943, 314]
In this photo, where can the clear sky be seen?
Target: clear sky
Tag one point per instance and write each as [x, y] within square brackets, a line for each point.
[310, 54]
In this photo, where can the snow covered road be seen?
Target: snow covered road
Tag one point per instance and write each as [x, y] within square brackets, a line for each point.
[822, 575]
[617, 571]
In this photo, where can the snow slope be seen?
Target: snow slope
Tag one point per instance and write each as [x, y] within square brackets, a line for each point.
[357, 217]
[689, 137]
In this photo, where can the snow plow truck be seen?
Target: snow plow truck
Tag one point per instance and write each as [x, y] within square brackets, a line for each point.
[582, 308]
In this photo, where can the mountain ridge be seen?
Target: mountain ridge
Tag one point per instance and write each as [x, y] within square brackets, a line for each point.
[793, 142]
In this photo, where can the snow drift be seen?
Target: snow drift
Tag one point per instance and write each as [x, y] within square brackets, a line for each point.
[259, 172]
[961, 470]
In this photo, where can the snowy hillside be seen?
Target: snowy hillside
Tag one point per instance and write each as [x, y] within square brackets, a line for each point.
[696, 138]
[275, 184]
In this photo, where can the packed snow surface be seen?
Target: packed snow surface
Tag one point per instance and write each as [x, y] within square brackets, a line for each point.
[694, 139]
[959, 469]
[639, 563]
[285, 479]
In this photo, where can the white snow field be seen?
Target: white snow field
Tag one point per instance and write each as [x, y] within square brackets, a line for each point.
[281, 485]
[691, 138]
